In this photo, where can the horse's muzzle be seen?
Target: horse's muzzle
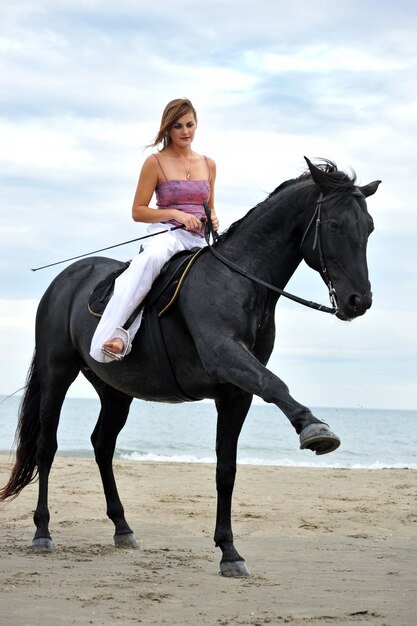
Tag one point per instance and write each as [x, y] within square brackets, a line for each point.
[355, 306]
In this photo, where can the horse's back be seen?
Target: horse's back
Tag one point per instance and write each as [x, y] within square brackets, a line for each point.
[64, 305]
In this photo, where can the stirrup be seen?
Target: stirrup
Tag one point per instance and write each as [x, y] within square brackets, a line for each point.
[119, 356]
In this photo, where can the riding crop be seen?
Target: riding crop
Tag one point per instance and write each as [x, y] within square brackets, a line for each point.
[116, 245]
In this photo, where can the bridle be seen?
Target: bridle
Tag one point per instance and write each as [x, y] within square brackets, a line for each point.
[317, 243]
[316, 219]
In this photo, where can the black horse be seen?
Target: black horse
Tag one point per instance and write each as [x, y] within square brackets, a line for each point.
[219, 337]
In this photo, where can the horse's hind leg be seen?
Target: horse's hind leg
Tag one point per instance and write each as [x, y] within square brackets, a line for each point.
[54, 383]
[232, 409]
[115, 407]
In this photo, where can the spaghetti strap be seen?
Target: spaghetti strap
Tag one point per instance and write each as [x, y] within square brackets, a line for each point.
[208, 167]
[159, 163]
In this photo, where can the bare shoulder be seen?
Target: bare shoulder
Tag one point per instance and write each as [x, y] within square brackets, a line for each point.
[150, 168]
[150, 164]
[212, 167]
[149, 173]
[211, 162]
[203, 157]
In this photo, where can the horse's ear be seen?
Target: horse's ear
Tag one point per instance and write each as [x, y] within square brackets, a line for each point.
[370, 189]
[317, 175]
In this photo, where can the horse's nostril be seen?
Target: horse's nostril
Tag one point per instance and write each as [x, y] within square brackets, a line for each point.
[355, 302]
[359, 304]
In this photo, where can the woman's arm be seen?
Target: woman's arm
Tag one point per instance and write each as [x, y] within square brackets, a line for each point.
[214, 218]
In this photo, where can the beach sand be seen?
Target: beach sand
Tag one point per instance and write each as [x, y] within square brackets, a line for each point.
[324, 546]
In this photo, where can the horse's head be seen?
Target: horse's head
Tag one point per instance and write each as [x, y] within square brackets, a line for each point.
[336, 237]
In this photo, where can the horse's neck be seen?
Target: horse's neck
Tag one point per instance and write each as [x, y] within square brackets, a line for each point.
[267, 242]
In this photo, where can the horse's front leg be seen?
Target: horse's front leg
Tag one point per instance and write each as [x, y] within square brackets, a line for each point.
[113, 415]
[230, 361]
[232, 409]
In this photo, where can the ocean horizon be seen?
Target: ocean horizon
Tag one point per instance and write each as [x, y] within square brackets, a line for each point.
[371, 438]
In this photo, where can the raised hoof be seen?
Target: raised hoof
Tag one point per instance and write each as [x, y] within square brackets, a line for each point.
[43, 545]
[234, 569]
[319, 438]
[126, 542]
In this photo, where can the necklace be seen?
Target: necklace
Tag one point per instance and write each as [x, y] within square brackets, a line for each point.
[187, 171]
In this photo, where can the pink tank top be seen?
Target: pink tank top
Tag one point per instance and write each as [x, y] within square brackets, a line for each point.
[183, 195]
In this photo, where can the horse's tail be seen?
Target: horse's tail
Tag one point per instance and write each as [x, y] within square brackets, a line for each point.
[25, 470]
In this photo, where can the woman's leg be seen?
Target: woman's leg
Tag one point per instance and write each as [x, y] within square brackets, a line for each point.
[132, 286]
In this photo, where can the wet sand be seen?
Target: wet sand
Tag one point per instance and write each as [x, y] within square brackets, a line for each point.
[324, 546]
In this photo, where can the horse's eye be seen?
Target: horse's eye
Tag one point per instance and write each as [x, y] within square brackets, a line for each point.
[334, 226]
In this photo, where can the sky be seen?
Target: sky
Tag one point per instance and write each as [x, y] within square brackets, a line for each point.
[83, 84]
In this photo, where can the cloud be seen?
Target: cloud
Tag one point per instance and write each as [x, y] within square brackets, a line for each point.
[18, 339]
[84, 84]
[34, 147]
[321, 59]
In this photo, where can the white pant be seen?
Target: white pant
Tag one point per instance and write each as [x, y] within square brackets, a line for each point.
[131, 287]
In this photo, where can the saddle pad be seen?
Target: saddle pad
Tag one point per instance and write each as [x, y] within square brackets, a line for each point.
[102, 293]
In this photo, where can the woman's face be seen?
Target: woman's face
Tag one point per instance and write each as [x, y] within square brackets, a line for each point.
[183, 130]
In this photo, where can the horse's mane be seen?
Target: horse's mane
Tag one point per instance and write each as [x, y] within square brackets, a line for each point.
[336, 180]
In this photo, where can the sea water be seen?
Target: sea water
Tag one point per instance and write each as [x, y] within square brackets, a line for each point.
[186, 432]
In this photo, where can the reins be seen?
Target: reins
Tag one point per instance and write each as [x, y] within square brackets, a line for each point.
[312, 305]
[209, 231]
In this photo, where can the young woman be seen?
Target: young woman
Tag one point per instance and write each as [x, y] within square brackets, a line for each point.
[181, 180]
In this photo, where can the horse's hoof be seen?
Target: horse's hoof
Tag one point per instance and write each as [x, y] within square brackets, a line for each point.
[234, 569]
[126, 542]
[319, 438]
[43, 545]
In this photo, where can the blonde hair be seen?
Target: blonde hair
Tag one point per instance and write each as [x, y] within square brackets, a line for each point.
[172, 112]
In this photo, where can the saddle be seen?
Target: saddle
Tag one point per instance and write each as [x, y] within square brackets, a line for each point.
[163, 293]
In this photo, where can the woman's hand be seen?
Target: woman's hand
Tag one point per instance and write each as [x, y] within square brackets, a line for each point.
[214, 220]
[191, 222]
